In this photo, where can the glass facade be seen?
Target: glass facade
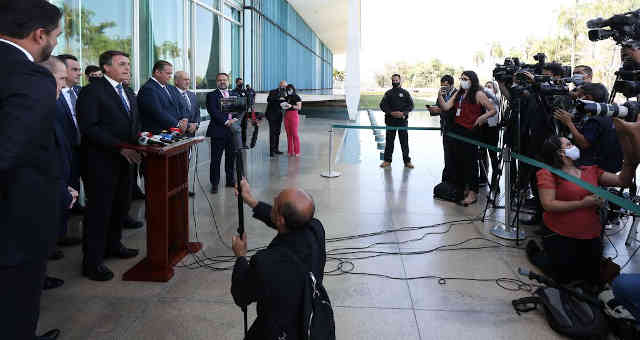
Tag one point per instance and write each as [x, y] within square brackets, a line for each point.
[264, 42]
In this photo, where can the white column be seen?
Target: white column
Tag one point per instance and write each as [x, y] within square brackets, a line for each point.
[352, 81]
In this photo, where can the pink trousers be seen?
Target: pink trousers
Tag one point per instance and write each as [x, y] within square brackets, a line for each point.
[291, 121]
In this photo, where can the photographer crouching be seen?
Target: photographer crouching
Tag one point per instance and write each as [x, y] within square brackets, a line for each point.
[273, 278]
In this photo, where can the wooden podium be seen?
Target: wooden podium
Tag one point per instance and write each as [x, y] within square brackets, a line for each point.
[166, 173]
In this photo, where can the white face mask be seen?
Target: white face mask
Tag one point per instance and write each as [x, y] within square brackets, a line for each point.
[572, 153]
[465, 84]
[290, 92]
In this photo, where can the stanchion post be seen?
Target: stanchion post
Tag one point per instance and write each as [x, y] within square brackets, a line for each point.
[506, 231]
[330, 173]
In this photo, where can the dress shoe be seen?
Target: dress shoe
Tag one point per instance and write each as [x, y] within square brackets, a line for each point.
[51, 283]
[56, 255]
[408, 165]
[98, 273]
[78, 209]
[130, 223]
[385, 164]
[138, 194]
[69, 241]
[214, 190]
[191, 193]
[50, 335]
[122, 252]
[272, 155]
[279, 152]
[532, 220]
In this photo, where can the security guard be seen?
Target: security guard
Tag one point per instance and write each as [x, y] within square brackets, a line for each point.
[396, 104]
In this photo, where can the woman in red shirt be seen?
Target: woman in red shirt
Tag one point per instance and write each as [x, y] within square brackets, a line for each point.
[473, 109]
[574, 249]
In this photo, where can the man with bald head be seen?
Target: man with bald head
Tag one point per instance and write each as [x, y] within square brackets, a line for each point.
[274, 116]
[189, 101]
[273, 278]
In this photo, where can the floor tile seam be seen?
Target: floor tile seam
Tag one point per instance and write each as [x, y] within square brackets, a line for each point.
[477, 311]
[372, 307]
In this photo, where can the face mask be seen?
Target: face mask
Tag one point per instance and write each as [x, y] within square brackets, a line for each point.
[395, 84]
[94, 78]
[240, 86]
[572, 153]
[465, 84]
[290, 92]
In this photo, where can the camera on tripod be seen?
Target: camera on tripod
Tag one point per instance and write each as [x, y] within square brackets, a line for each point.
[623, 27]
[505, 72]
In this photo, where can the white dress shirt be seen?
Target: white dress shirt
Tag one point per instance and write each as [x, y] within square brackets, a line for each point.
[29, 56]
[114, 84]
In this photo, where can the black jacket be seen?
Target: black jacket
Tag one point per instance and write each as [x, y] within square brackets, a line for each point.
[396, 99]
[275, 281]
[274, 111]
[29, 194]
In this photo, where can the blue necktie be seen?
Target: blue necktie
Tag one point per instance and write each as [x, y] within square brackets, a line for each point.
[124, 101]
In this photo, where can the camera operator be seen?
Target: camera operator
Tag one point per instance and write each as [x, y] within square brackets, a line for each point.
[585, 72]
[446, 122]
[596, 136]
[251, 100]
[470, 103]
[552, 69]
[273, 278]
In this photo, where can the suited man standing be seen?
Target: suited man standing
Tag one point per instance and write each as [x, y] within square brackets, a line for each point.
[189, 100]
[224, 131]
[108, 118]
[274, 116]
[28, 164]
[159, 103]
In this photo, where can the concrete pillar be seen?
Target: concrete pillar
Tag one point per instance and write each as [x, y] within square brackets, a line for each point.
[352, 81]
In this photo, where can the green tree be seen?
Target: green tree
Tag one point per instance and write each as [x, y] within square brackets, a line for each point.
[479, 58]
[338, 75]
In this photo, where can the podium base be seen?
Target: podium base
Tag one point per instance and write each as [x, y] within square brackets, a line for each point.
[507, 233]
[145, 271]
[330, 174]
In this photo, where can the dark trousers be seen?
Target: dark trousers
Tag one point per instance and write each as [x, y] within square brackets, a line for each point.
[22, 287]
[447, 146]
[465, 166]
[110, 201]
[218, 147]
[275, 126]
[244, 125]
[391, 138]
[490, 135]
[568, 259]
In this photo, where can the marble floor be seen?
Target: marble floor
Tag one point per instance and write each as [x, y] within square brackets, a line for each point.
[196, 303]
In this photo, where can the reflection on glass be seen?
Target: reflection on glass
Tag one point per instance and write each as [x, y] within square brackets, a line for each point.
[67, 41]
[231, 50]
[104, 25]
[207, 49]
[212, 3]
[161, 34]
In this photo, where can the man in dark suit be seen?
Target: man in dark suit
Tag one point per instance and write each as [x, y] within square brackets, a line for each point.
[69, 122]
[224, 131]
[274, 116]
[159, 102]
[29, 200]
[189, 100]
[108, 118]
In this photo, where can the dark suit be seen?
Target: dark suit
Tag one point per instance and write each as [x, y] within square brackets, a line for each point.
[29, 196]
[72, 133]
[160, 109]
[106, 125]
[223, 139]
[67, 140]
[274, 116]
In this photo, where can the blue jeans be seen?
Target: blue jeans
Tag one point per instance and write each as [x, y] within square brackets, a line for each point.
[626, 289]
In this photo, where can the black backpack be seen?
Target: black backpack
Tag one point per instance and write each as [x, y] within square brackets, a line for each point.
[566, 313]
[317, 314]
[447, 192]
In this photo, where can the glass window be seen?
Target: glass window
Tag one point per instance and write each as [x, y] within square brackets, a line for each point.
[69, 40]
[207, 62]
[161, 35]
[212, 3]
[232, 42]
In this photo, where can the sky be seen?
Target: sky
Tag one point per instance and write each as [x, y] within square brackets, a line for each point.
[415, 30]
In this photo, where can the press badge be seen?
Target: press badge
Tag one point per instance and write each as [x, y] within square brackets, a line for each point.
[458, 113]
[401, 95]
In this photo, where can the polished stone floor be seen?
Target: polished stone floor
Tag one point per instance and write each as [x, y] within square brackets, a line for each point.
[196, 303]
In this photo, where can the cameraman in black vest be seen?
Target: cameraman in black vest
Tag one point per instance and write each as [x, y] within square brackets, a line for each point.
[446, 122]
[396, 104]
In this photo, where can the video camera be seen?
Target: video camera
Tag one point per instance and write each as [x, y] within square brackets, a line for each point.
[623, 27]
[511, 66]
[234, 105]
[628, 111]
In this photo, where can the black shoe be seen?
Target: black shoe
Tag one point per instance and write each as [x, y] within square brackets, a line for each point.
[279, 152]
[138, 194]
[123, 252]
[51, 283]
[191, 193]
[272, 155]
[56, 255]
[78, 209]
[214, 190]
[130, 223]
[532, 220]
[98, 273]
[50, 335]
[230, 185]
[69, 241]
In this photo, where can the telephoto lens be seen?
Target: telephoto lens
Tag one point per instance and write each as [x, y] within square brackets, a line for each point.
[627, 111]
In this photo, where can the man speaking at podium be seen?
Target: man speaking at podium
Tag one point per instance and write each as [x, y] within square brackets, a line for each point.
[224, 131]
